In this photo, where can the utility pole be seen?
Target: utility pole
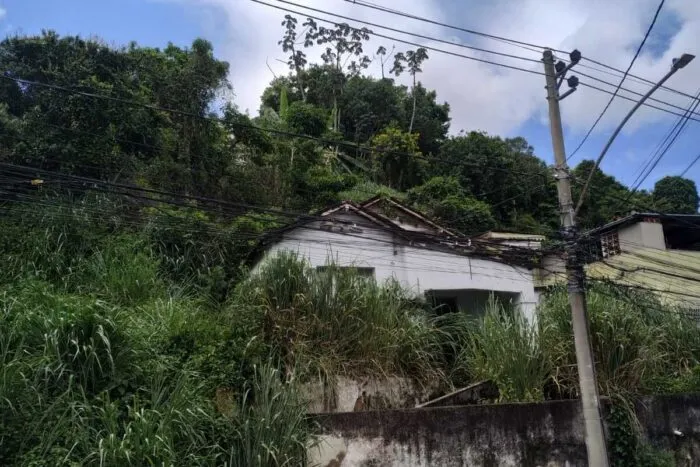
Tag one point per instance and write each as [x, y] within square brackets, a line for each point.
[595, 438]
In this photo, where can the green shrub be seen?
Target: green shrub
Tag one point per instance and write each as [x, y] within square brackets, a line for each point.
[51, 241]
[122, 270]
[204, 256]
[505, 348]
[337, 321]
[639, 345]
[271, 427]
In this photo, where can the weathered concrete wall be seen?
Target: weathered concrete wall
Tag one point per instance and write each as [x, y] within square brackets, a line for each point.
[348, 395]
[547, 434]
[673, 423]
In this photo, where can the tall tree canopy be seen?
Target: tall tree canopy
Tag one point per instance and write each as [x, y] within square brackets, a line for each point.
[677, 195]
[325, 131]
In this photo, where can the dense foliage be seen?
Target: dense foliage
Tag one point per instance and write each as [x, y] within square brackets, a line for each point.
[677, 194]
[387, 134]
[132, 332]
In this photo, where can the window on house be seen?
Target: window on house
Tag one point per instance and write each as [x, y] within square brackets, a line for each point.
[367, 273]
[610, 244]
[443, 305]
[692, 313]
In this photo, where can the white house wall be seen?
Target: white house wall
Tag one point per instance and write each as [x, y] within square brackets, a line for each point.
[417, 269]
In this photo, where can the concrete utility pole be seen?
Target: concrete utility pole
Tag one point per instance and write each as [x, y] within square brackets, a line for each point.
[595, 438]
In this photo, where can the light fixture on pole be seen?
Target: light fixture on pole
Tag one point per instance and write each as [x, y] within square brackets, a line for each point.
[676, 65]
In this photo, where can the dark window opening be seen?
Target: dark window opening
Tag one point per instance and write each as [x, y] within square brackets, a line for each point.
[443, 305]
[367, 273]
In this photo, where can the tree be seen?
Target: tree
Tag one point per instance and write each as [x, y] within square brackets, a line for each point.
[297, 58]
[467, 215]
[381, 54]
[431, 120]
[370, 105]
[609, 198]
[112, 140]
[503, 173]
[434, 190]
[444, 199]
[677, 195]
[413, 60]
[306, 119]
[342, 43]
[396, 159]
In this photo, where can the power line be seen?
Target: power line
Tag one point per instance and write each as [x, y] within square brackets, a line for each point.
[528, 46]
[612, 98]
[506, 40]
[651, 98]
[465, 56]
[627, 201]
[681, 124]
[663, 142]
[414, 44]
[690, 165]
[645, 104]
[421, 36]
[358, 147]
[226, 207]
[429, 158]
[645, 80]
[475, 250]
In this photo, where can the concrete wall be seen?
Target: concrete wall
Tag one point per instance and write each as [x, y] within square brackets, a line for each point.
[546, 434]
[375, 393]
[642, 235]
[417, 269]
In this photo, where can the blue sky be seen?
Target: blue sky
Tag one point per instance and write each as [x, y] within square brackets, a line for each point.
[481, 98]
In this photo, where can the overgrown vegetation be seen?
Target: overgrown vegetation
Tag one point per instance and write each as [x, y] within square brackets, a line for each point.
[105, 361]
[109, 355]
[131, 332]
[335, 321]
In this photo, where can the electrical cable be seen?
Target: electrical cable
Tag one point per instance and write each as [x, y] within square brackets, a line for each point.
[474, 254]
[645, 104]
[414, 44]
[645, 80]
[506, 40]
[473, 58]
[228, 205]
[612, 98]
[174, 152]
[528, 46]
[640, 94]
[682, 123]
[329, 142]
[690, 166]
[668, 135]
[421, 36]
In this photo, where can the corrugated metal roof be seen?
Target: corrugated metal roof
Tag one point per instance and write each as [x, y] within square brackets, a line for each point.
[674, 275]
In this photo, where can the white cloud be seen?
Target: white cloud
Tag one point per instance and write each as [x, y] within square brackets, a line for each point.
[3, 13]
[482, 96]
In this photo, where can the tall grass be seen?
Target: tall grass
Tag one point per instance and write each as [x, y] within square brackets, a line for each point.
[505, 348]
[83, 382]
[336, 321]
[639, 345]
[271, 428]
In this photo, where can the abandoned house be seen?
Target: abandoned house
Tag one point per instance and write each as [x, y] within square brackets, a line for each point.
[382, 238]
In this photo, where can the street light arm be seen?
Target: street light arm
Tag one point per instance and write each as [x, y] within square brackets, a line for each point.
[616, 132]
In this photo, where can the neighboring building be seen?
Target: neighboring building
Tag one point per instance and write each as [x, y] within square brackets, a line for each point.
[385, 239]
[648, 251]
[530, 241]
